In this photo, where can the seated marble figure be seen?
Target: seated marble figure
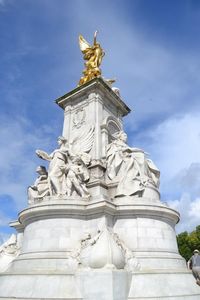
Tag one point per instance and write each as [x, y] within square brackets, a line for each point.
[130, 167]
[41, 186]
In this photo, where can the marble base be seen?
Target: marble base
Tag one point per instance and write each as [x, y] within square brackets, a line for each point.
[101, 284]
[48, 266]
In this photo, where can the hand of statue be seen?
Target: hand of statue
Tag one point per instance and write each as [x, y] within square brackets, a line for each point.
[64, 169]
[43, 155]
[137, 150]
[130, 150]
[33, 187]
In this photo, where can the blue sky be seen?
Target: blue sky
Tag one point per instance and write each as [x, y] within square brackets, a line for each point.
[152, 48]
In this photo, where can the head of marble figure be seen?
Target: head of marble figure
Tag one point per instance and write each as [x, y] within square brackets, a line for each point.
[121, 135]
[61, 140]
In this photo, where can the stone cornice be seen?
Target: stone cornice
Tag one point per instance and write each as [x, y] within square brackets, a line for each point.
[84, 209]
[96, 84]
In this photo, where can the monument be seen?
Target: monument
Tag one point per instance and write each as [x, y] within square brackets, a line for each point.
[95, 227]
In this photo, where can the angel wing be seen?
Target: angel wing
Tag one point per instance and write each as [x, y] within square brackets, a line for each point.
[84, 45]
[82, 143]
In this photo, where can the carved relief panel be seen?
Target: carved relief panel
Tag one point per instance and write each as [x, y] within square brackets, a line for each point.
[79, 117]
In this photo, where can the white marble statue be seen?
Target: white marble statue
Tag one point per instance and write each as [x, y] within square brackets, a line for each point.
[105, 250]
[76, 176]
[8, 252]
[56, 172]
[67, 172]
[101, 251]
[41, 186]
[130, 165]
[110, 82]
[131, 262]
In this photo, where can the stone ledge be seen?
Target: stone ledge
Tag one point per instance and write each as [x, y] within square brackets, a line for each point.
[80, 209]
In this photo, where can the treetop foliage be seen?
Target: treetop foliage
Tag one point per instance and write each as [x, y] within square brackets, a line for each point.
[188, 242]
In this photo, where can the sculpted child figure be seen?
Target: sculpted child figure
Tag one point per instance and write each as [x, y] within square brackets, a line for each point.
[76, 176]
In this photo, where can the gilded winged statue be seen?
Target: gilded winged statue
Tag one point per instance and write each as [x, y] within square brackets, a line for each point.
[93, 56]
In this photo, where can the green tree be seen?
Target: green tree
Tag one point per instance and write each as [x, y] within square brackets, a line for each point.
[183, 245]
[198, 231]
[187, 242]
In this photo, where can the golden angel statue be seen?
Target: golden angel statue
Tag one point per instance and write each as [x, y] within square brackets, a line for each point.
[93, 56]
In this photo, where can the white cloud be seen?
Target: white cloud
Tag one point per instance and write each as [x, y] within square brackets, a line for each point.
[4, 237]
[4, 3]
[189, 178]
[195, 209]
[4, 220]
[189, 212]
[174, 144]
[19, 139]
